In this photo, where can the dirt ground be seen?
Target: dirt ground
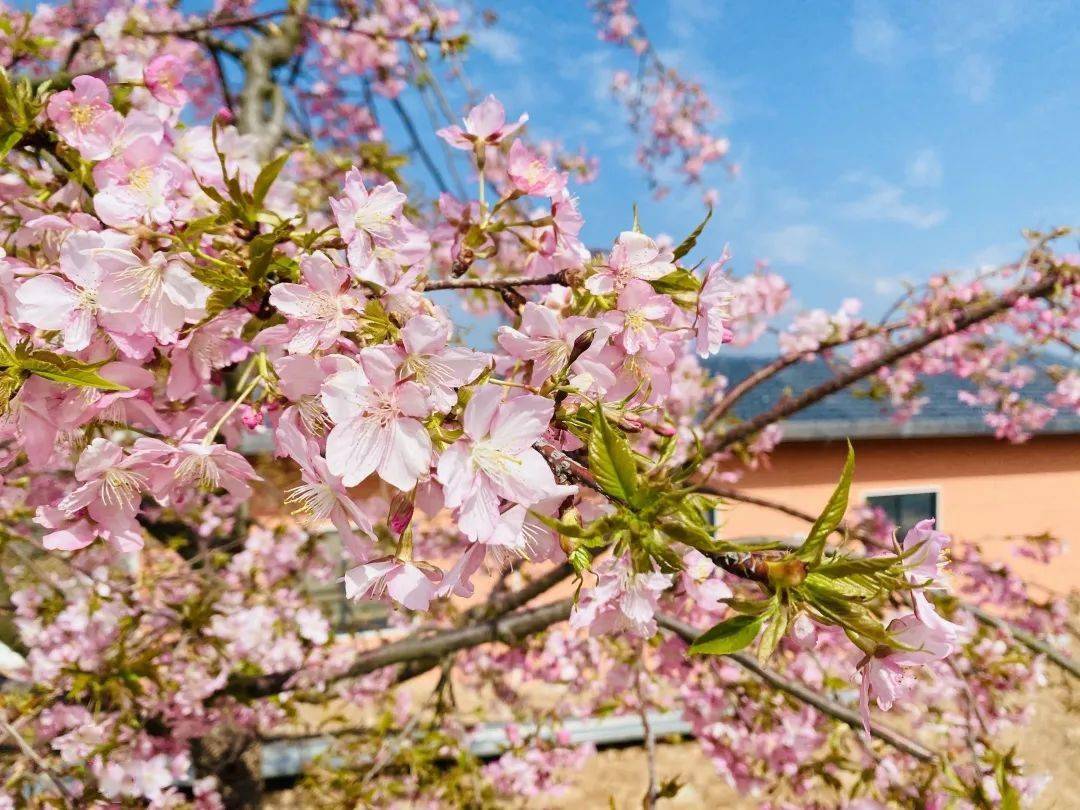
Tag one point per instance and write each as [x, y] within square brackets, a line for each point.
[616, 779]
[1049, 744]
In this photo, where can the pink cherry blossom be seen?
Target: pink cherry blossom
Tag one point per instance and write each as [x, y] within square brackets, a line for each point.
[639, 315]
[438, 368]
[70, 303]
[495, 459]
[531, 174]
[485, 125]
[164, 77]
[714, 310]
[884, 674]
[634, 256]
[377, 425]
[407, 584]
[322, 496]
[84, 117]
[324, 305]
[376, 230]
[546, 340]
[520, 533]
[701, 581]
[925, 547]
[136, 186]
[194, 464]
[622, 601]
[161, 292]
[110, 490]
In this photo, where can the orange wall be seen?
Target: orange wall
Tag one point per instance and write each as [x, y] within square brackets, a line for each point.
[987, 491]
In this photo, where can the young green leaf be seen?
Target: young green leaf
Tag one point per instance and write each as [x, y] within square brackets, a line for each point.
[813, 548]
[611, 460]
[730, 635]
[267, 177]
[687, 244]
[64, 369]
[851, 566]
[770, 638]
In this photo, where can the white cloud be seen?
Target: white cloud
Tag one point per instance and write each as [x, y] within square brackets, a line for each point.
[795, 244]
[498, 43]
[885, 202]
[685, 17]
[874, 36]
[924, 169]
[974, 77]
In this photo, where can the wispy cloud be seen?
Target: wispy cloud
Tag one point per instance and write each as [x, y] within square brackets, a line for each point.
[498, 43]
[795, 244]
[974, 78]
[874, 36]
[882, 201]
[968, 43]
[924, 169]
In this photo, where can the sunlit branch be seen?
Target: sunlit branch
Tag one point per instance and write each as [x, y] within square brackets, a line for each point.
[807, 695]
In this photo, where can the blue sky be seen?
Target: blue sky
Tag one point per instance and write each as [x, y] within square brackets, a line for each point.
[879, 142]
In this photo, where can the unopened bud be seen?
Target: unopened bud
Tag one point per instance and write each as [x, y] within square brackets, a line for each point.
[581, 345]
[401, 512]
[786, 573]
[513, 299]
[463, 262]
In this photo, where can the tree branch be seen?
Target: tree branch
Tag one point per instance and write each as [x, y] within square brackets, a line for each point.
[495, 283]
[1030, 641]
[1039, 288]
[808, 696]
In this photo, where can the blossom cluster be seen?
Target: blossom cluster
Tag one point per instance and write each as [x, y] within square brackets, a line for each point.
[197, 318]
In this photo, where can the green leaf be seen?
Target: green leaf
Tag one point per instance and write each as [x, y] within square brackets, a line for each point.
[774, 632]
[611, 460]
[813, 548]
[267, 177]
[679, 281]
[730, 635]
[8, 141]
[851, 566]
[64, 369]
[566, 528]
[688, 244]
[688, 533]
[843, 587]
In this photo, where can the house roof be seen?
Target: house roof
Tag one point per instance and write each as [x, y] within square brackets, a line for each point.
[844, 414]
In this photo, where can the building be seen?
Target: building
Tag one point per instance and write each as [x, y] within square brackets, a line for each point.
[945, 463]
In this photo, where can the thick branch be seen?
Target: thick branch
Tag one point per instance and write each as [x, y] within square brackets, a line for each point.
[508, 629]
[495, 283]
[974, 315]
[774, 367]
[808, 696]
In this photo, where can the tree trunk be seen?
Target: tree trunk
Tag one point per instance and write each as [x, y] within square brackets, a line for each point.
[234, 756]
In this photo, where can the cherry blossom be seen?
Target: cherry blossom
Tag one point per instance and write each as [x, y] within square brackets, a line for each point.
[495, 459]
[485, 125]
[635, 256]
[377, 425]
[85, 118]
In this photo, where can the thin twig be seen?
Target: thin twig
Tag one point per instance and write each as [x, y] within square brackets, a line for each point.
[1040, 288]
[808, 696]
[32, 755]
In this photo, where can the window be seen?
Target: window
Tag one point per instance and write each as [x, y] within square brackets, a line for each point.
[905, 509]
